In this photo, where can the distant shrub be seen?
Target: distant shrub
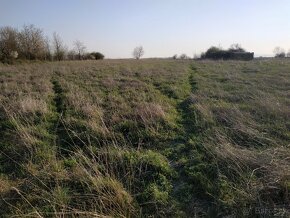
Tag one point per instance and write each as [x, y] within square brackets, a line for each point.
[183, 56]
[279, 52]
[97, 55]
[288, 54]
[280, 55]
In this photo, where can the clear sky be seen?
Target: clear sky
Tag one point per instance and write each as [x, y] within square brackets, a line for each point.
[163, 27]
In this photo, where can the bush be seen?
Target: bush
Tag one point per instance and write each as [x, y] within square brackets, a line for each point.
[215, 53]
[98, 55]
[280, 55]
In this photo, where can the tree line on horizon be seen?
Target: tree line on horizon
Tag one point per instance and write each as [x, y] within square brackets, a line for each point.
[30, 43]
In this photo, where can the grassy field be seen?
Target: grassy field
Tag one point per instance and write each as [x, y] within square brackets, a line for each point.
[147, 138]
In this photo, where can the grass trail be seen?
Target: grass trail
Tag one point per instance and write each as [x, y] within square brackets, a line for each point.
[59, 108]
[187, 151]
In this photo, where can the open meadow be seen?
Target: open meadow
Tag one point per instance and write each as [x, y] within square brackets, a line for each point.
[145, 138]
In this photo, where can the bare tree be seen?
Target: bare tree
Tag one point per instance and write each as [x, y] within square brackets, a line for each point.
[32, 42]
[59, 48]
[138, 52]
[279, 52]
[183, 56]
[47, 48]
[288, 54]
[79, 48]
[236, 47]
[8, 43]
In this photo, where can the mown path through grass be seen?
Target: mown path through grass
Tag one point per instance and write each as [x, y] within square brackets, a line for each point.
[180, 146]
[62, 137]
[196, 173]
[187, 115]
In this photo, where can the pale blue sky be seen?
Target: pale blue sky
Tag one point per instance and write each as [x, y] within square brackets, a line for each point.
[163, 27]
